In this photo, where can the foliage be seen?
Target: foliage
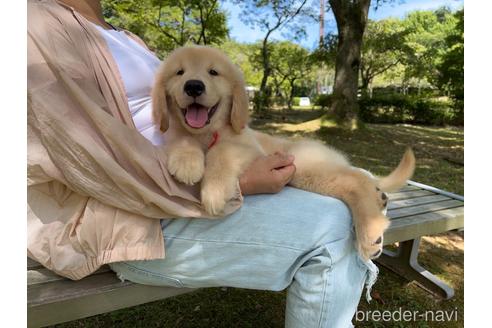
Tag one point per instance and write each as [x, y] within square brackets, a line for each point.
[382, 48]
[244, 55]
[290, 63]
[426, 38]
[424, 51]
[276, 15]
[420, 54]
[451, 69]
[425, 92]
[167, 24]
[326, 53]
[426, 41]
[324, 101]
[271, 16]
[398, 108]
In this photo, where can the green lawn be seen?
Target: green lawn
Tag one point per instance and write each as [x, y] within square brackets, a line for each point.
[439, 152]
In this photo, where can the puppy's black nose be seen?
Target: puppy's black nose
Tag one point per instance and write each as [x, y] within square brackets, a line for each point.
[194, 88]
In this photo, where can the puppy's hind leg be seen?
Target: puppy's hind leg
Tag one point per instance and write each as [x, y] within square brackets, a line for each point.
[359, 192]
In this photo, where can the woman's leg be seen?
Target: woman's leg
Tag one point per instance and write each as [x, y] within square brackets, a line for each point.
[294, 238]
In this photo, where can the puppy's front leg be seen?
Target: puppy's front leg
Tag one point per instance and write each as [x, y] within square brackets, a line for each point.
[186, 160]
[225, 163]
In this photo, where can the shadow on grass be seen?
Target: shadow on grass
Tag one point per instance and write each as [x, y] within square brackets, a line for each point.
[379, 147]
[291, 116]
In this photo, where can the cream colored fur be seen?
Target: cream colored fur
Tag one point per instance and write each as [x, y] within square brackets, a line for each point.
[319, 168]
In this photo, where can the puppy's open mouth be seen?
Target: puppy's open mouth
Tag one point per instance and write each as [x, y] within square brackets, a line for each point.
[197, 116]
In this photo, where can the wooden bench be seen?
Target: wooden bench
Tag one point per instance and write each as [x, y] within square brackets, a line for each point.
[420, 210]
[53, 299]
[417, 210]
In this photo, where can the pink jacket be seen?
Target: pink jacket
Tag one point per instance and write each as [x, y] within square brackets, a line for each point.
[96, 187]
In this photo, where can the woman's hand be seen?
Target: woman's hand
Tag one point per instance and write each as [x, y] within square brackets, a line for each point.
[267, 174]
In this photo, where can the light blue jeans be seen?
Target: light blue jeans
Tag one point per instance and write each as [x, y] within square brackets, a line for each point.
[294, 239]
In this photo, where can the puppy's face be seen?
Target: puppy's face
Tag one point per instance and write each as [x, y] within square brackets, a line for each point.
[201, 89]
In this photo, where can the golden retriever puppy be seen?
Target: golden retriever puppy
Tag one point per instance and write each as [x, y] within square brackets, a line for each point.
[199, 98]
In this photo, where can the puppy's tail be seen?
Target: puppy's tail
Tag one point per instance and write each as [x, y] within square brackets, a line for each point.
[398, 178]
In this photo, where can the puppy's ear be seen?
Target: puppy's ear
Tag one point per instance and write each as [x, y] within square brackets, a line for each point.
[240, 106]
[159, 104]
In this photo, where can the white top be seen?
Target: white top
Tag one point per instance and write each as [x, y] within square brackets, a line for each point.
[137, 67]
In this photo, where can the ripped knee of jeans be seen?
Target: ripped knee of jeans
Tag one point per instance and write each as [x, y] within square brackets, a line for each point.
[371, 277]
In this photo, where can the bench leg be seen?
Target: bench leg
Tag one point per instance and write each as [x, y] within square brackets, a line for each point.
[404, 262]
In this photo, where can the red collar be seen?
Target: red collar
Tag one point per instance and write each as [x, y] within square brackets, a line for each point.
[215, 139]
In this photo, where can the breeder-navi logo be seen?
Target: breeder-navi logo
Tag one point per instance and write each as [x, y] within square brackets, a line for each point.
[407, 315]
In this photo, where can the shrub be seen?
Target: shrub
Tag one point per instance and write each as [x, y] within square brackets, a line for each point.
[296, 101]
[261, 102]
[324, 101]
[398, 108]
[459, 112]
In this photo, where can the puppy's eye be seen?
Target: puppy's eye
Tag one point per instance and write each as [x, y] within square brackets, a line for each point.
[180, 72]
[213, 72]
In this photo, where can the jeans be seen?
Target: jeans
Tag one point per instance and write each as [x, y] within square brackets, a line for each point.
[294, 239]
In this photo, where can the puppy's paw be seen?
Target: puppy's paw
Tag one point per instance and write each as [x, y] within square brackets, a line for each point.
[187, 165]
[381, 198]
[214, 198]
[369, 237]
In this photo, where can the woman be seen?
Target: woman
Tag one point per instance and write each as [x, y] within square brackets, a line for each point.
[99, 191]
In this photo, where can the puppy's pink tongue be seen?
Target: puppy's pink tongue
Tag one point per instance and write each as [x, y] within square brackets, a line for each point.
[196, 116]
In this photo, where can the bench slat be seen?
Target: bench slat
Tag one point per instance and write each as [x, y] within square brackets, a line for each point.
[43, 275]
[416, 201]
[421, 209]
[436, 190]
[64, 289]
[411, 227]
[67, 300]
[31, 264]
[427, 217]
[409, 194]
[409, 188]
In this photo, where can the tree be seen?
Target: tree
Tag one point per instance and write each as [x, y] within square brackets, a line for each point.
[290, 63]
[426, 42]
[382, 49]
[212, 22]
[167, 24]
[324, 58]
[351, 18]
[270, 16]
[420, 41]
[244, 55]
[451, 69]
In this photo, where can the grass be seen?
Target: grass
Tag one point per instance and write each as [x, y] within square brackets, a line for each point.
[439, 152]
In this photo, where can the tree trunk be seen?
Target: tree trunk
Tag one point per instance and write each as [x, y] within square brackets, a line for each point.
[291, 93]
[261, 101]
[351, 18]
[364, 86]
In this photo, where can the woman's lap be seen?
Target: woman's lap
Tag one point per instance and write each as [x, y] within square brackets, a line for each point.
[260, 246]
[294, 239]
